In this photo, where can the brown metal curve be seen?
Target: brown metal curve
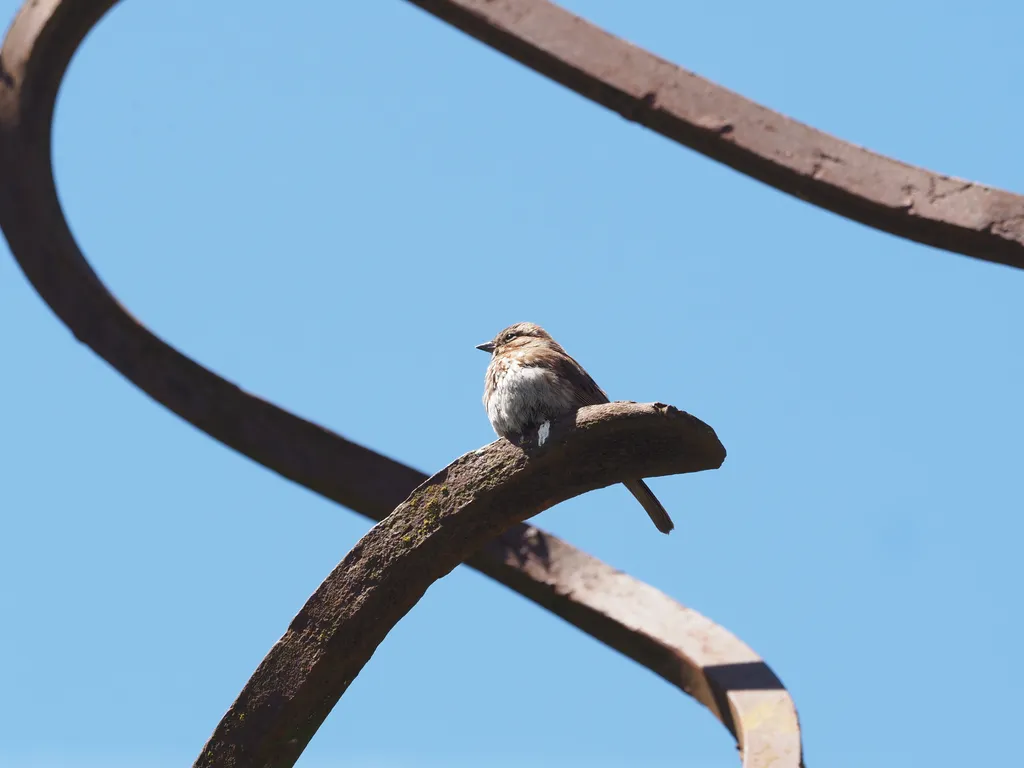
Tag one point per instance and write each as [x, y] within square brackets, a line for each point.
[948, 213]
[680, 645]
[445, 520]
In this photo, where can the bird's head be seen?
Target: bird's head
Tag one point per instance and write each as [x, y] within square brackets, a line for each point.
[518, 336]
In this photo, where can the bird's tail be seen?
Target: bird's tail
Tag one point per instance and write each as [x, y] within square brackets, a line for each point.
[650, 503]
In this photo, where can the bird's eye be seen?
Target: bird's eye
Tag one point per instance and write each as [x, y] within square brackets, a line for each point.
[511, 336]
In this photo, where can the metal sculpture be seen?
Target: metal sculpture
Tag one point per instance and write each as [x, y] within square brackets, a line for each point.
[683, 647]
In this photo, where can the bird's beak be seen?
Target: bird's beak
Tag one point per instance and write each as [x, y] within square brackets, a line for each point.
[487, 346]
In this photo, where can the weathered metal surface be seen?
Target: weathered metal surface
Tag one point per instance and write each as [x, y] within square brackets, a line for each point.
[444, 521]
[683, 647]
[945, 212]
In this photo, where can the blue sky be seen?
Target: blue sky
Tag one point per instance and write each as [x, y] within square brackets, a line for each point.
[331, 203]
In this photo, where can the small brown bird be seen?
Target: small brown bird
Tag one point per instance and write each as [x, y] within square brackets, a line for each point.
[531, 379]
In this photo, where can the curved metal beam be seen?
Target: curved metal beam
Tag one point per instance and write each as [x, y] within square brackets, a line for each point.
[678, 644]
[894, 197]
[444, 521]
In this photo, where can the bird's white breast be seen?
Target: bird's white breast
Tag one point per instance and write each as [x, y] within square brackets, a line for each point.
[524, 396]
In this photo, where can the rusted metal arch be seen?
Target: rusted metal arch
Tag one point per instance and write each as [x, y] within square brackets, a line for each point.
[447, 519]
[686, 649]
[683, 647]
[891, 196]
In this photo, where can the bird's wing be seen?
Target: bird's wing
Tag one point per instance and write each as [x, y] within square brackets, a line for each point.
[584, 388]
